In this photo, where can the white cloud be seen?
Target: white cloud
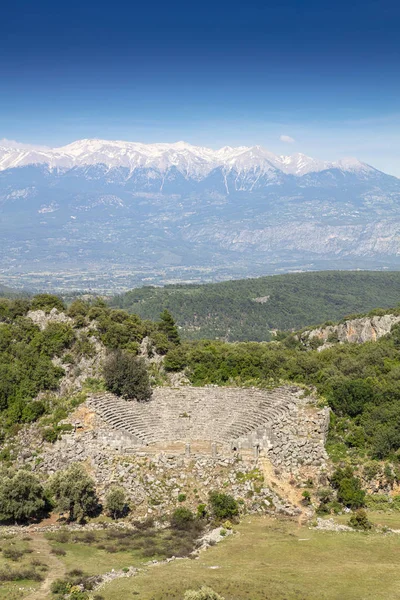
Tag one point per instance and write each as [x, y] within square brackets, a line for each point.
[13, 144]
[287, 139]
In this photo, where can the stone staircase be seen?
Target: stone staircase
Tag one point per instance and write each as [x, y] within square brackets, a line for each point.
[188, 414]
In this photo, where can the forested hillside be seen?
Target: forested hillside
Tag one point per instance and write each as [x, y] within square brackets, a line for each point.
[7, 292]
[248, 309]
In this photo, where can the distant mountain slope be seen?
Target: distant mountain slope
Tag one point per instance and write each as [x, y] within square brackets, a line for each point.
[170, 212]
[248, 309]
[7, 292]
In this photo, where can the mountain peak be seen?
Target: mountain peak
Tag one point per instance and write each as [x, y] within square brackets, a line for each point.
[192, 161]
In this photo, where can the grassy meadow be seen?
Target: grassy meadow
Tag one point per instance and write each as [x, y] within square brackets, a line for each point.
[278, 560]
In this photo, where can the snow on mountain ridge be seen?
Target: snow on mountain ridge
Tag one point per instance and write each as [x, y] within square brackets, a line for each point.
[194, 162]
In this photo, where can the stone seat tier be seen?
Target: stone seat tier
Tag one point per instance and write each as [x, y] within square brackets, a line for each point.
[185, 414]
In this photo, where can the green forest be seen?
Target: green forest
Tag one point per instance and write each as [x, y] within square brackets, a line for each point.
[247, 309]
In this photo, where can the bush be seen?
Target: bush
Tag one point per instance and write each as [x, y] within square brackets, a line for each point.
[47, 302]
[13, 553]
[175, 359]
[182, 518]
[58, 551]
[20, 574]
[60, 586]
[348, 488]
[126, 375]
[201, 511]
[360, 521]
[378, 502]
[116, 505]
[52, 434]
[223, 506]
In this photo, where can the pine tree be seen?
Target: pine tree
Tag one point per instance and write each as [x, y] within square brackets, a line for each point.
[168, 326]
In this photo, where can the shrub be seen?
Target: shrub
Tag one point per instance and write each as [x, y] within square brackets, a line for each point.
[175, 359]
[348, 488]
[116, 505]
[223, 506]
[306, 497]
[378, 502]
[58, 551]
[181, 497]
[350, 493]
[13, 553]
[47, 302]
[126, 375]
[182, 518]
[201, 511]
[78, 308]
[360, 521]
[60, 586]
[20, 574]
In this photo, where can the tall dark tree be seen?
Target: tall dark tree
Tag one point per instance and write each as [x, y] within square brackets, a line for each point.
[168, 326]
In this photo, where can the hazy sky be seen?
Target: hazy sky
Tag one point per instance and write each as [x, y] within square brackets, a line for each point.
[308, 76]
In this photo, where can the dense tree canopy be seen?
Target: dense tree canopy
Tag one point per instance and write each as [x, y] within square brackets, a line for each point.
[74, 492]
[248, 309]
[126, 375]
[22, 496]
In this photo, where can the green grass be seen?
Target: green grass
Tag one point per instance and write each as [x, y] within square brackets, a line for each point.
[278, 560]
[94, 561]
[134, 549]
[15, 590]
[378, 518]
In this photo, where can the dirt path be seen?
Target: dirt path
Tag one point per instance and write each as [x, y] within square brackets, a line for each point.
[283, 488]
[42, 550]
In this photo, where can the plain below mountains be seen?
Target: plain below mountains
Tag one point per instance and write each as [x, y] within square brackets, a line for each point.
[168, 212]
[249, 309]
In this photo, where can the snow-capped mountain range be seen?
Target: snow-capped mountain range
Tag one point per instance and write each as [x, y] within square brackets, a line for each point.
[155, 209]
[194, 162]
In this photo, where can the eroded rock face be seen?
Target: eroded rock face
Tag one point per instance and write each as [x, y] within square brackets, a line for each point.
[356, 331]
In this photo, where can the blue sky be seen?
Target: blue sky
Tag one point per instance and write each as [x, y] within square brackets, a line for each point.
[325, 74]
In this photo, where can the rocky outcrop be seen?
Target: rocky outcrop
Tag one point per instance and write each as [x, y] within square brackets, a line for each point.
[356, 331]
[42, 319]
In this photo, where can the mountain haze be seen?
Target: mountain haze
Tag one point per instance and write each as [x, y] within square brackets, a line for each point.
[162, 212]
